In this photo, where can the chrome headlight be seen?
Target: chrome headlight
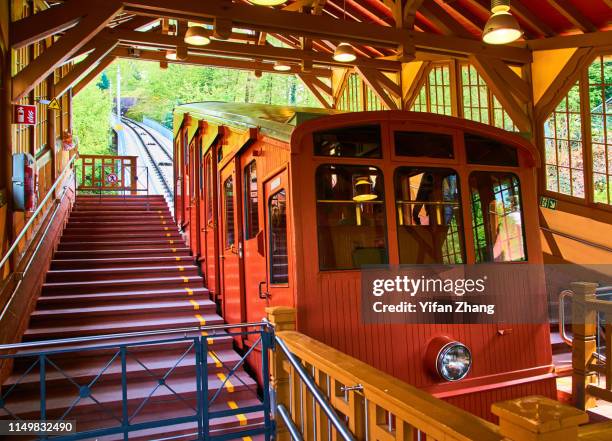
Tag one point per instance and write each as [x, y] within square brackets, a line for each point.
[454, 361]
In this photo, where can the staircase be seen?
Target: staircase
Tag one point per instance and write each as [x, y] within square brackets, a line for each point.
[122, 266]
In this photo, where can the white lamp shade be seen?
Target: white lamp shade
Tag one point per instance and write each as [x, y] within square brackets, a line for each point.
[344, 53]
[501, 28]
[197, 36]
[281, 66]
[171, 55]
[268, 2]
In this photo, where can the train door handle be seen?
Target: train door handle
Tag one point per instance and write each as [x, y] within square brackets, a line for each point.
[263, 295]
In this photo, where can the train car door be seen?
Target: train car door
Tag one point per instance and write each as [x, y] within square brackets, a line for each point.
[254, 236]
[231, 247]
[278, 246]
[178, 174]
[209, 216]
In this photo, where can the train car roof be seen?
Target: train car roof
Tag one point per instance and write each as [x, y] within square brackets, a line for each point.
[276, 121]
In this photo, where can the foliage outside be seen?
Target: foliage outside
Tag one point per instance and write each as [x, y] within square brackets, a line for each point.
[157, 91]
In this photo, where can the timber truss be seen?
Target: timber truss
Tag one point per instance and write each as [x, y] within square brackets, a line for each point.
[300, 33]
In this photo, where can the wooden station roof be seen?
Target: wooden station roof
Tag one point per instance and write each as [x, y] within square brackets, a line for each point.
[303, 33]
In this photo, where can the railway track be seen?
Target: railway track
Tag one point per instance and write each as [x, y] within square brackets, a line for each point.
[157, 158]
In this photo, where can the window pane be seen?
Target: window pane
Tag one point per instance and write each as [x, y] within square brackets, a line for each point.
[209, 189]
[480, 150]
[279, 263]
[497, 219]
[600, 99]
[251, 209]
[350, 217]
[424, 144]
[430, 226]
[228, 197]
[353, 142]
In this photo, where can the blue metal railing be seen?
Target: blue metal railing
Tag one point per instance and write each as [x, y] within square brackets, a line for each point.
[114, 399]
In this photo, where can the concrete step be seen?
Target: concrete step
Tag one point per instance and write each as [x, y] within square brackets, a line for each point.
[96, 274]
[168, 244]
[122, 262]
[113, 253]
[130, 284]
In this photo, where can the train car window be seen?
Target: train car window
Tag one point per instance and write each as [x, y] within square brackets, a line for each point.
[279, 260]
[251, 209]
[349, 142]
[351, 224]
[424, 145]
[430, 224]
[486, 151]
[497, 217]
[228, 197]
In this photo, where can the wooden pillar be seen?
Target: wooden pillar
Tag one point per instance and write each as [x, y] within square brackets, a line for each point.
[584, 328]
[134, 175]
[283, 319]
[538, 418]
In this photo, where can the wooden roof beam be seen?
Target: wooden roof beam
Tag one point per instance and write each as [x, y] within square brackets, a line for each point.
[229, 63]
[409, 14]
[523, 13]
[93, 74]
[99, 14]
[573, 15]
[46, 23]
[415, 88]
[321, 27]
[318, 88]
[103, 48]
[442, 19]
[591, 39]
[268, 52]
[387, 90]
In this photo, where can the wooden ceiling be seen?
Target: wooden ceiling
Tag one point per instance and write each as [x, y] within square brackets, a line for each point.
[303, 33]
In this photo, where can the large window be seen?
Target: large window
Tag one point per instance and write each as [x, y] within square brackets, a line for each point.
[251, 209]
[423, 144]
[600, 105]
[279, 261]
[209, 188]
[228, 202]
[435, 95]
[356, 96]
[429, 216]
[350, 217]
[352, 142]
[497, 218]
[563, 147]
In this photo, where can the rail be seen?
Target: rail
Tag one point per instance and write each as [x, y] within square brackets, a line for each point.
[379, 407]
[38, 210]
[589, 315]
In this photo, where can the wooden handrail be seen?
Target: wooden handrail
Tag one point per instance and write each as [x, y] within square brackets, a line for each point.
[379, 407]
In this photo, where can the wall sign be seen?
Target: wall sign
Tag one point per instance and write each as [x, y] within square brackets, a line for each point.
[549, 203]
[25, 115]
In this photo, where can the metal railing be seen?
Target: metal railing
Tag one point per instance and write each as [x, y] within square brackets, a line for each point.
[108, 173]
[117, 399]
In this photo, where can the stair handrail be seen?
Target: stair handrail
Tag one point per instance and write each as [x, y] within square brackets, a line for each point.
[38, 210]
[102, 337]
[319, 396]
[562, 295]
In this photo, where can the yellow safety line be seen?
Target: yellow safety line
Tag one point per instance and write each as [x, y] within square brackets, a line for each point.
[228, 384]
[216, 359]
[181, 268]
[247, 438]
[185, 279]
[241, 417]
[174, 251]
[168, 234]
[166, 228]
[195, 304]
[189, 291]
[171, 242]
[178, 259]
[201, 319]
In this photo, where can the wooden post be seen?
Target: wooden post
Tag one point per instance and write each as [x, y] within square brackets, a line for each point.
[134, 175]
[283, 319]
[584, 324]
[538, 418]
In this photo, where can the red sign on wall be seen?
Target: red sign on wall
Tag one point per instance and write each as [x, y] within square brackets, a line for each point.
[24, 114]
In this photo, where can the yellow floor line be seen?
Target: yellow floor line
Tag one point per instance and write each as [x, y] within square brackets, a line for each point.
[168, 234]
[216, 359]
[178, 259]
[174, 250]
[241, 417]
[181, 268]
[195, 304]
[185, 279]
[189, 291]
[170, 242]
[228, 384]
[166, 228]
[247, 438]
[201, 319]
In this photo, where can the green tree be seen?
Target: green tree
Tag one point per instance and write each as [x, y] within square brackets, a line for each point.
[92, 110]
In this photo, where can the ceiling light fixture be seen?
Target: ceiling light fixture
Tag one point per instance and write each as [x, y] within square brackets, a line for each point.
[268, 2]
[502, 27]
[344, 52]
[281, 66]
[197, 36]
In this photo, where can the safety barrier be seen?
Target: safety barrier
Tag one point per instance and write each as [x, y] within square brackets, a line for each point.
[379, 407]
[111, 399]
[107, 173]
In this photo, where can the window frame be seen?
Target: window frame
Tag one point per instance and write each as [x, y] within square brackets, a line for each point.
[248, 202]
[458, 144]
[269, 214]
[226, 227]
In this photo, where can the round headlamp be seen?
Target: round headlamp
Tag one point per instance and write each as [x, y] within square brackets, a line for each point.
[449, 359]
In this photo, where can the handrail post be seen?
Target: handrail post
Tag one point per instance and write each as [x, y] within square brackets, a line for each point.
[283, 319]
[584, 328]
[538, 418]
[133, 177]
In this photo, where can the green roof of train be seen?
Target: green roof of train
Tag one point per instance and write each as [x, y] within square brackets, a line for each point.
[276, 121]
